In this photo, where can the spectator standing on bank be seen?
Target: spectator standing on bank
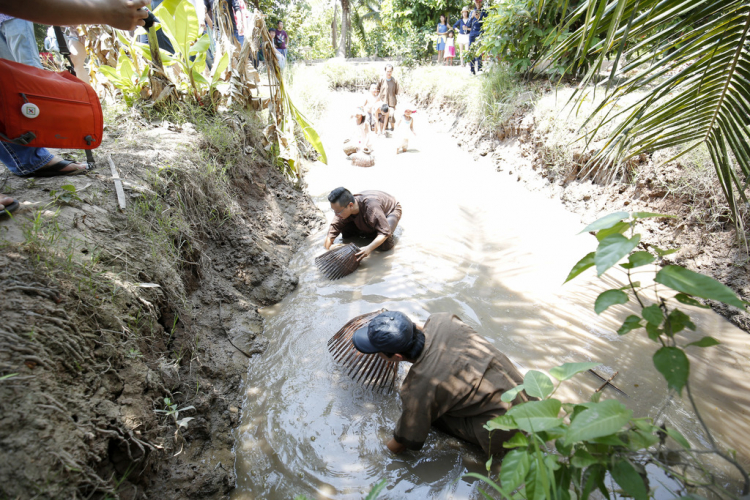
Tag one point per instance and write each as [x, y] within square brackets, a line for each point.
[450, 48]
[388, 89]
[442, 29]
[281, 39]
[475, 32]
[462, 28]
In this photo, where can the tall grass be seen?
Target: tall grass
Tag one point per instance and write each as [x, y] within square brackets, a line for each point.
[486, 101]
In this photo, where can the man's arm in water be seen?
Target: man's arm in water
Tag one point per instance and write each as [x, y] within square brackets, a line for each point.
[365, 251]
[121, 14]
[395, 446]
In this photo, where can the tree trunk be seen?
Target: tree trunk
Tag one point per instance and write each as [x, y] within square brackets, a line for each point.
[343, 49]
[334, 35]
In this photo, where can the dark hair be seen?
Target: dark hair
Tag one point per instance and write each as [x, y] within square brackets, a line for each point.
[384, 108]
[389, 65]
[341, 196]
[414, 349]
[444, 17]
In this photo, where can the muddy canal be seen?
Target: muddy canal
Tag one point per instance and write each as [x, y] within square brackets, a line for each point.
[475, 243]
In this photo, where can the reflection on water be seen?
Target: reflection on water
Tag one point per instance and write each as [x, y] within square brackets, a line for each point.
[471, 242]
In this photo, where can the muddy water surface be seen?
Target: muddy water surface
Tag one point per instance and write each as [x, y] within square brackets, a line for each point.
[474, 243]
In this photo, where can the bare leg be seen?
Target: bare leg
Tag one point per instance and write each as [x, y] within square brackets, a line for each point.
[78, 56]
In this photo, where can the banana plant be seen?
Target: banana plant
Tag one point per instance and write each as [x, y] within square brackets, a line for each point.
[179, 22]
[126, 78]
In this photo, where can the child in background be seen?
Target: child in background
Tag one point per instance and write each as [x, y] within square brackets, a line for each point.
[361, 128]
[403, 127]
[450, 48]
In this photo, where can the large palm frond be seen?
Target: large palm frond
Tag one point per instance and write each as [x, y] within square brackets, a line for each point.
[691, 59]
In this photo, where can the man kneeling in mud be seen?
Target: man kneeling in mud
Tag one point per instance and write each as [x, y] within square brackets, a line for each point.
[370, 213]
[455, 381]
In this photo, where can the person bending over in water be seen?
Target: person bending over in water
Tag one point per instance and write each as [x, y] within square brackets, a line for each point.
[370, 213]
[405, 128]
[455, 381]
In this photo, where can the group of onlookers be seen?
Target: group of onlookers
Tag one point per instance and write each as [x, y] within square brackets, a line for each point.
[463, 34]
[377, 114]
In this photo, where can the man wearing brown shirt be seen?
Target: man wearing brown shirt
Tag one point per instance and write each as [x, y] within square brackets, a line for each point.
[370, 213]
[455, 381]
[388, 89]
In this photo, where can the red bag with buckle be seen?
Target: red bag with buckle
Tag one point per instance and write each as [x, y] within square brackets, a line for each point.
[47, 109]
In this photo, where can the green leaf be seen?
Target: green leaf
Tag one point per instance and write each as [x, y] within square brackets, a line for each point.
[600, 419]
[594, 477]
[640, 440]
[513, 471]
[536, 416]
[611, 440]
[688, 300]
[678, 320]
[638, 259]
[653, 314]
[201, 45]
[662, 253]
[606, 222]
[704, 342]
[686, 281]
[613, 248]
[631, 323]
[376, 489]
[509, 396]
[646, 215]
[562, 448]
[673, 364]
[537, 384]
[678, 437]
[569, 370]
[618, 228]
[653, 331]
[609, 298]
[582, 459]
[518, 440]
[629, 480]
[502, 423]
[581, 266]
[310, 134]
[219, 68]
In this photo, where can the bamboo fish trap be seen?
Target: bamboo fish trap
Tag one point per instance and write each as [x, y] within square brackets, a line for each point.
[339, 262]
[370, 370]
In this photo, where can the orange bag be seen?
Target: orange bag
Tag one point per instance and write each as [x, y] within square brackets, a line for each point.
[47, 109]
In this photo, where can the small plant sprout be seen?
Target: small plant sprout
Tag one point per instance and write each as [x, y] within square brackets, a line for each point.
[171, 410]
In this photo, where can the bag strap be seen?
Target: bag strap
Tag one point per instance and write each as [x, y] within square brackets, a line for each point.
[62, 44]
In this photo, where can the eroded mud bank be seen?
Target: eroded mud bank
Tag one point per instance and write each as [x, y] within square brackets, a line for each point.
[105, 313]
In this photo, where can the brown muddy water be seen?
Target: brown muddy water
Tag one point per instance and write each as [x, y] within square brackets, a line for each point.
[475, 243]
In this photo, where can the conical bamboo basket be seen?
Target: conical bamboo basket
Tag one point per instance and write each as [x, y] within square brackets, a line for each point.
[370, 370]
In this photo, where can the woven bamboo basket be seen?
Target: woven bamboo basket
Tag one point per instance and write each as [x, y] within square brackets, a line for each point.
[349, 147]
[370, 370]
[363, 159]
[338, 262]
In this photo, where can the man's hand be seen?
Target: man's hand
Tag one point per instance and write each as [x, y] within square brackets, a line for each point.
[363, 252]
[121, 14]
[395, 446]
[124, 14]
[328, 242]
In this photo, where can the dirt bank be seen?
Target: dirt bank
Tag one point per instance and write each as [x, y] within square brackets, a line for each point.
[522, 148]
[115, 326]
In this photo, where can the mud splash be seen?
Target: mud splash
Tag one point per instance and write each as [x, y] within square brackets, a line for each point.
[470, 242]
